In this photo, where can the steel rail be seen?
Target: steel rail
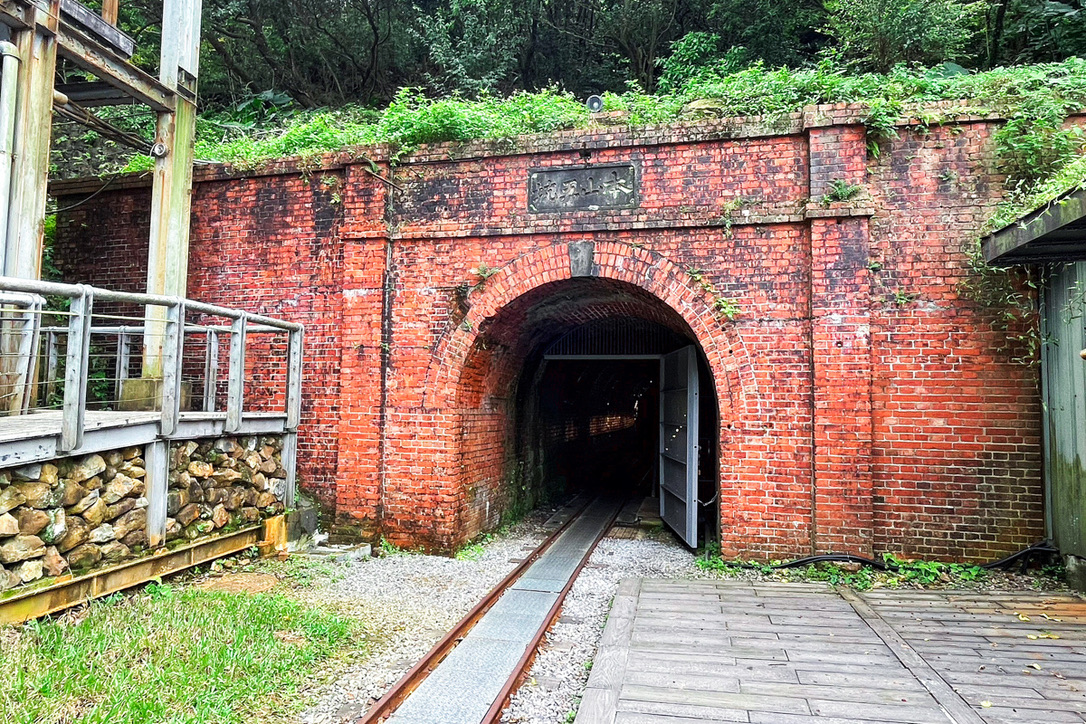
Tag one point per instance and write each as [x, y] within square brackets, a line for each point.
[387, 704]
[494, 714]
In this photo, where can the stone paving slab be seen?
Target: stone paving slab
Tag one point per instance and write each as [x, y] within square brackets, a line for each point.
[680, 652]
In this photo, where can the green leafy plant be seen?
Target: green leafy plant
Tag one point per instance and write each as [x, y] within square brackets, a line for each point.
[840, 191]
[474, 550]
[903, 298]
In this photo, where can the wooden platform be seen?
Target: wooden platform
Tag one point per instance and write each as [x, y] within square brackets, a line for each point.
[680, 652]
[35, 437]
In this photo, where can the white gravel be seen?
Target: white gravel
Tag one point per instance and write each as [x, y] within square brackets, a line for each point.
[406, 602]
[560, 672]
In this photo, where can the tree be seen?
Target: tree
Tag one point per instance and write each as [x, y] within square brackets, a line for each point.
[878, 34]
[779, 32]
[473, 45]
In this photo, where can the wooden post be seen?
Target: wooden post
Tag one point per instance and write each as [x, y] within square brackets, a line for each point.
[110, 11]
[33, 121]
[171, 196]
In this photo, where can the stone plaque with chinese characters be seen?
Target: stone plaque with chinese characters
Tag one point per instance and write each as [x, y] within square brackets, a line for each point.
[583, 189]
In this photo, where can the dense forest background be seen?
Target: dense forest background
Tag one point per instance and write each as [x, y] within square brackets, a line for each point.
[332, 52]
[303, 77]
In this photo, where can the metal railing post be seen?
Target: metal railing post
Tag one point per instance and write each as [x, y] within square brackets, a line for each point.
[172, 349]
[52, 364]
[124, 355]
[294, 379]
[157, 460]
[211, 370]
[75, 371]
[235, 396]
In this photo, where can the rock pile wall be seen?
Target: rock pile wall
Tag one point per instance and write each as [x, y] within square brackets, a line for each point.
[76, 514]
[220, 483]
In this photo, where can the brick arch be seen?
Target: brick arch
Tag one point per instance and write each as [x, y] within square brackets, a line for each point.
[733, 374]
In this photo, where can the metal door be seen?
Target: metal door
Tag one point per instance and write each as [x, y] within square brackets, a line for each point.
[679, 443]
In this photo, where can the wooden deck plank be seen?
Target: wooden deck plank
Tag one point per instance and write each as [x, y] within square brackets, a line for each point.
[705, 651]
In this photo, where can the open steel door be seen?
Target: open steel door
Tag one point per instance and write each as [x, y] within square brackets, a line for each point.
[679, 443]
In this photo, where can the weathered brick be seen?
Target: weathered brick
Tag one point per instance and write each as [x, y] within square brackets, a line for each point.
[865, 405]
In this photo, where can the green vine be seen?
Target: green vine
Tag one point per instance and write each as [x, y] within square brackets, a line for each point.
[724, 307]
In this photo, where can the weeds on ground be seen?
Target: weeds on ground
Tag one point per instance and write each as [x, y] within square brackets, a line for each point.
[476, 549]
[899, 573]
[304, 571]
[186, 656]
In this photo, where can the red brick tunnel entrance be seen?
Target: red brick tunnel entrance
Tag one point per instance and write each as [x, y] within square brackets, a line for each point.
[562, 394]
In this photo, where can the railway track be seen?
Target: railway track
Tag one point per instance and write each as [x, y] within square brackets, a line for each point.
[470, 674]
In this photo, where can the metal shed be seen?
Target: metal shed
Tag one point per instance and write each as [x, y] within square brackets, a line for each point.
[1056, 236]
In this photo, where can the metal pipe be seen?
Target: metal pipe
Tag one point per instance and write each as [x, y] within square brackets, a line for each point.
[9, 82]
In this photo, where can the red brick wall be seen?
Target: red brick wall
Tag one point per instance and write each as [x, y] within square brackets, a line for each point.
[268, 245]
[865, 406]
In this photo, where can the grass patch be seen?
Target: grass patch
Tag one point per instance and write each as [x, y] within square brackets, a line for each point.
[183, 656]
[303, 571]
[1034, 97]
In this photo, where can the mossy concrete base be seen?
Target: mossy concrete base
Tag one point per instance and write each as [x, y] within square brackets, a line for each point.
[144, 394]
[1076, 572]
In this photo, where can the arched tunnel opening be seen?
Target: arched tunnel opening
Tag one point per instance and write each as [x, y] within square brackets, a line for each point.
[579, 370]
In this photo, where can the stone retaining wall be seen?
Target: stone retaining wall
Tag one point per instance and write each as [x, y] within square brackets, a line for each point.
[73, 515]
[216, 483]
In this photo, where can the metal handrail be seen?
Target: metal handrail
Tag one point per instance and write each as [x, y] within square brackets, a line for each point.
[72, 291]
[174, 330]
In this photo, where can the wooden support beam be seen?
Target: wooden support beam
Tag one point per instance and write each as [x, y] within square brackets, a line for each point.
[171, 195]
[112, 68]
[98, 28]
[33, 119]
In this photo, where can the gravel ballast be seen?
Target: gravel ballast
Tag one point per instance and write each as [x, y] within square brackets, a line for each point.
[406, 602]
[560, 671]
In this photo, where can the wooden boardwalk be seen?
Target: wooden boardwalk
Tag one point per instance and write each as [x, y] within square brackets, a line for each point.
[686, 652]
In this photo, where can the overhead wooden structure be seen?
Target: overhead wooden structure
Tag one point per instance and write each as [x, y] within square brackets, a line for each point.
[43, 31]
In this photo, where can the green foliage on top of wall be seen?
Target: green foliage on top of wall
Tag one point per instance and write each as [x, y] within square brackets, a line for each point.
[1035, 99]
